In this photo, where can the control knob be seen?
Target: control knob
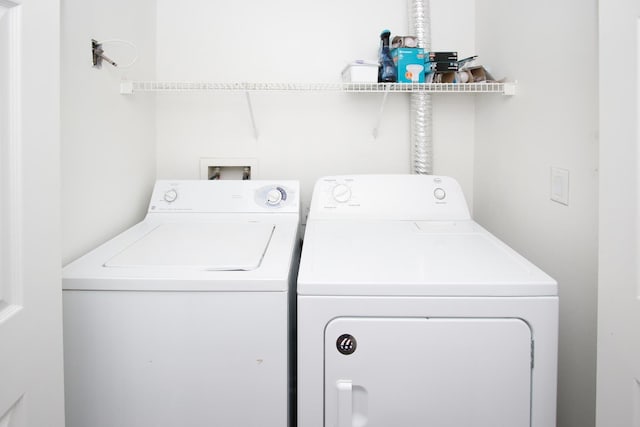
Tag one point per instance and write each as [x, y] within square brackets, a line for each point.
[170, 196]
[341, 193]
[275, 196]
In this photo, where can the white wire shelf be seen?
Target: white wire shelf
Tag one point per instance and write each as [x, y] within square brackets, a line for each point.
[130, 87]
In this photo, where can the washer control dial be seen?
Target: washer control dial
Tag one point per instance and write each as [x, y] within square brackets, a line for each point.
[275, 196]
[170, 196]
[439, 193]
[341, 193]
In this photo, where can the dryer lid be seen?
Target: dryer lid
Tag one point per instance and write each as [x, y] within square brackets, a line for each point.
[213, 246]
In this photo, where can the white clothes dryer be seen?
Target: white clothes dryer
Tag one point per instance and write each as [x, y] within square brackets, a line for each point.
[184, 319]
[410, 313]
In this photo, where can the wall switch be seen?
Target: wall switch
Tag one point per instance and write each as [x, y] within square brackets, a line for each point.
[560, 185]
[228, 168]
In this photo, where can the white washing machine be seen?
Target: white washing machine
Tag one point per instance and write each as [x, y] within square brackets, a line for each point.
[411, 314]
[184, 319]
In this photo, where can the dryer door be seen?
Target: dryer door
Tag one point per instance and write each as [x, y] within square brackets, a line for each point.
[444, 372]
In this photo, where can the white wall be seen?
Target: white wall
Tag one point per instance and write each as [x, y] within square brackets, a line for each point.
[108, 140]
[301, 135]
[550, 47]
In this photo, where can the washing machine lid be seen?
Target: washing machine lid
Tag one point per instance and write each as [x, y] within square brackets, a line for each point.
[212, 246]
[398, 258]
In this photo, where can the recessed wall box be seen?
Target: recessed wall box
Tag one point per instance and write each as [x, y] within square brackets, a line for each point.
[228, 168]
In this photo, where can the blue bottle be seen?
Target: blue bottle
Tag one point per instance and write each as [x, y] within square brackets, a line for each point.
[386, 69]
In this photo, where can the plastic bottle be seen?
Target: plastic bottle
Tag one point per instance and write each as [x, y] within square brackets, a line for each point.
[387, 69]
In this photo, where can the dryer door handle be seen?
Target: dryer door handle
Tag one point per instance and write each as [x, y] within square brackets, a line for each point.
[345, 403]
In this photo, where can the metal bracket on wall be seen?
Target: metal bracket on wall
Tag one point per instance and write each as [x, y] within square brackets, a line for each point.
[251, 115]
[376, 127]
[98, 55]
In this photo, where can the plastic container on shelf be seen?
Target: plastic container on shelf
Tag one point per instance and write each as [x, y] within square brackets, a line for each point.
[361, 71]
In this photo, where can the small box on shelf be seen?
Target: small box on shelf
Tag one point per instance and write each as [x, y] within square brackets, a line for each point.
[410, 64]
[442, 56]
[441, 66]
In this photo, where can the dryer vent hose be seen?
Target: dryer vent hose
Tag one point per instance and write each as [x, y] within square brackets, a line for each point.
[421, 111]
[421, 134]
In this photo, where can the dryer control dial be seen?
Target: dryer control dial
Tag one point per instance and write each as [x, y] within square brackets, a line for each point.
[170, 196]
[341, 193]
[275, 196]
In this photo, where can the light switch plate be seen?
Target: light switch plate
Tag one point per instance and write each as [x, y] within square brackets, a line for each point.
[560, 185]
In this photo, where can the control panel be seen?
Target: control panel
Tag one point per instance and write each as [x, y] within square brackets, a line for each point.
[409, 197]
[225, 196]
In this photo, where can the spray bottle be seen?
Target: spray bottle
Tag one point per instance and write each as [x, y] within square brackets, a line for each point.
[386, 69]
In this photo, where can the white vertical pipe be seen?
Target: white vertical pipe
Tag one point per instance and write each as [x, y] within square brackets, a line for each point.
[421, 111]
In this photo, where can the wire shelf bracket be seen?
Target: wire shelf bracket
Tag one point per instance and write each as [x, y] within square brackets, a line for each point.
[251, 115]
[376, 127]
